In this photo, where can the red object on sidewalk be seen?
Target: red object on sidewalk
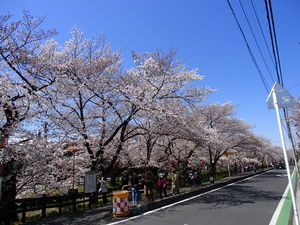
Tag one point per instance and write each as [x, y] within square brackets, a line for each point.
[120, 203]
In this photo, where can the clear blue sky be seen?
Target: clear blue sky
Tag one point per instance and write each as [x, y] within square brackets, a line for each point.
[204, 33]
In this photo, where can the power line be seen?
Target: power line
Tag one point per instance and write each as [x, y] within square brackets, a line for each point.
[256, 42]
[272, 40]
[275, 38]
[262, 32]
[249, 49]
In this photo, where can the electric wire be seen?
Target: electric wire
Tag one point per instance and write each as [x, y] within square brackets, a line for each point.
[275, 49]
[262, 32]
[249, 49]
[272, 40]
[255, 40]
[288, 129]
[273, 36]
[275, 39]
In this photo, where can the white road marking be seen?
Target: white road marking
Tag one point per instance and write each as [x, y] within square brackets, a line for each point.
[280, 204]
[185, 200]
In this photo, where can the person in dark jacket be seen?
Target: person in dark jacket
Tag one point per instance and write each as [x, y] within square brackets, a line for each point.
[148, 181]
[134, 188]
[124, 180]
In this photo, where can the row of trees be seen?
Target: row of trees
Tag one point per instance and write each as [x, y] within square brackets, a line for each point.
[53, 97]
[295, 116]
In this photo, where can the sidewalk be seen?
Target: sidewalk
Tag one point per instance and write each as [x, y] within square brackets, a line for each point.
[103, 215]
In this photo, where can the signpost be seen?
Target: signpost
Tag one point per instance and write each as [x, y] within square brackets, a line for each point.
[90, 182]
[280, 98]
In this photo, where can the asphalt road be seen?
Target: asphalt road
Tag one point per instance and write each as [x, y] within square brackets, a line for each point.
[252, 201]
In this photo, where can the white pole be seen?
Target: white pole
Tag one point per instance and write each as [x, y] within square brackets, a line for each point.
[285, 157]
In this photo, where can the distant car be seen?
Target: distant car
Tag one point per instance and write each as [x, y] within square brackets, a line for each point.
[280, 165]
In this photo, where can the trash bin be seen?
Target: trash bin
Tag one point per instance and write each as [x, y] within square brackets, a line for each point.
[120, 203]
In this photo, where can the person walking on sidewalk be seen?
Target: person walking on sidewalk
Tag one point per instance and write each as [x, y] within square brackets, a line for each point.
[103, 189]
[124, 179]
[175, 183]
[134, 188]
[162, 185]
[211, 177]
[148, 185]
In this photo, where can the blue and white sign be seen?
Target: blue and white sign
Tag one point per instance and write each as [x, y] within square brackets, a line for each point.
[284, 99]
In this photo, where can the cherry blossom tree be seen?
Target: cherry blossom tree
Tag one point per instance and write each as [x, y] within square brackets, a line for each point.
[24, 74]
[94, 99]
[148, 115]
[223, 132]
[170, 138]
[84, 104]
[295, 116]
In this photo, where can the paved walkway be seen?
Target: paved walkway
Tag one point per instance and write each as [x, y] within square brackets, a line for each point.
[103, 215]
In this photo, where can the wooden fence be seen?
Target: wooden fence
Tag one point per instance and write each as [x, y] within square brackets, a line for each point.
[71, 202]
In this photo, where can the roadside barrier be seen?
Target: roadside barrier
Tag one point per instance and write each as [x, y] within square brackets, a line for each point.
[120, 203]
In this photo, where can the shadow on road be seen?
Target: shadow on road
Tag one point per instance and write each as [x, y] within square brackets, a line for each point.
[234, 196]
[93, 216]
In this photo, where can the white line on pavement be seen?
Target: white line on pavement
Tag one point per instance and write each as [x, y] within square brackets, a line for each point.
[279, 206]
[185, 200]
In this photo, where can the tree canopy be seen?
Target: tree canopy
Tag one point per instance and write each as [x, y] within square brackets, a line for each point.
[78, 94]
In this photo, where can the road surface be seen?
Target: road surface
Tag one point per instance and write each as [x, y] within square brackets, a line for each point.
[251, 201]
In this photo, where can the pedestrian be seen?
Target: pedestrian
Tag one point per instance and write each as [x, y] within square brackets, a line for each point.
[103, 189]
[199, 177]
[211, 177]
[124, 180]
[256, 168]
[193, 177]
[162, 185]
[134, 188]
[148, 185]
[175, 183]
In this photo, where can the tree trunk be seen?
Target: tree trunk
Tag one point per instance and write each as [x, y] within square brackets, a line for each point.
[213, 164]
[213, 170]
[9, 191]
